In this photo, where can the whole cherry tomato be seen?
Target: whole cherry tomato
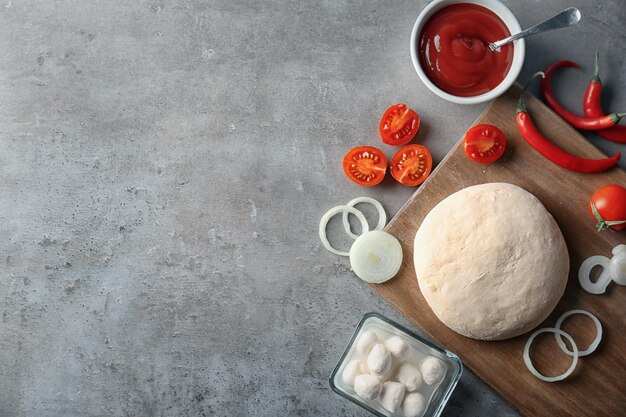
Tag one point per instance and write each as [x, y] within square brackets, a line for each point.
[607, 207]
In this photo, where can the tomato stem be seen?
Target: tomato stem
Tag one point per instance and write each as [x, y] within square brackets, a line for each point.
[521, 107]
[604, 224]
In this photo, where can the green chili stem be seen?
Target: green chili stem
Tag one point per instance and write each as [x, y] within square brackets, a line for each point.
[596, 69]
[521, 107]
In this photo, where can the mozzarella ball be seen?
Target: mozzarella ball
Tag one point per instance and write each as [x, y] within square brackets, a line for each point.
[367, 386]
[352, 370]
[391, 395]
[410, 376]
[379, 360]
[414, 405]
[366, 342]
[398, 347]
[433, 370]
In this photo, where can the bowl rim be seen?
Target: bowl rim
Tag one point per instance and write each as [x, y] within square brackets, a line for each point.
[517, 63]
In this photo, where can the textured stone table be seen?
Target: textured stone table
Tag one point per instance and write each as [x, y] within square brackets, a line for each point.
[163, 168]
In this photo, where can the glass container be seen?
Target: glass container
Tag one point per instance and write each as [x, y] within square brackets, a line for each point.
[436, 395]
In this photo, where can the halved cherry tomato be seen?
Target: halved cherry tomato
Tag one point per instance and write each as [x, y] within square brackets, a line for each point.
[365, 165]
[609, 203]
[411, 165]
[484, 143]
[398, 125]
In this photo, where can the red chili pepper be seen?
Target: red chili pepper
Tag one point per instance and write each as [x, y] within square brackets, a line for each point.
[548, 149]
[593, 107]
[579, 122]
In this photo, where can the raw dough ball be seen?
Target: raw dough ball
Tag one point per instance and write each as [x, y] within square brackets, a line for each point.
[379, 360]
[366, 341]
[414, 405]
[352, 370]
[433, 370]
[397, 347]
[367, 386]
[410, 376]
[491, 261]
[391, 395]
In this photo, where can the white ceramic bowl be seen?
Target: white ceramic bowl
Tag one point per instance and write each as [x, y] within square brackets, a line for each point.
[509, 20]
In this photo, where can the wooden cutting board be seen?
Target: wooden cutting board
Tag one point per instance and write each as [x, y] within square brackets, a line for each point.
[598, 386]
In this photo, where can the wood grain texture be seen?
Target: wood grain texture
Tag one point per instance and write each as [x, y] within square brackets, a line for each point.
[598, 386]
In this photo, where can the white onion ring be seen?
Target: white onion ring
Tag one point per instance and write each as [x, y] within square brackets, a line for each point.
[593, 346]
[376, 256]
[584, 274]
[330, 213]
[382, 216]
[618, 265]
[529, 363]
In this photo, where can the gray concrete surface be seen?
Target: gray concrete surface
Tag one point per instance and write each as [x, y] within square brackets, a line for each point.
[163, 168]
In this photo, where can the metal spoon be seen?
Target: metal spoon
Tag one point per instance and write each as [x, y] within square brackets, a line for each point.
[567, 17]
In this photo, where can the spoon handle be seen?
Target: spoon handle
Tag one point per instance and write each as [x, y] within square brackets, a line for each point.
[567, 17]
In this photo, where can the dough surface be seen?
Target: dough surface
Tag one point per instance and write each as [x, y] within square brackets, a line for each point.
[491, 261]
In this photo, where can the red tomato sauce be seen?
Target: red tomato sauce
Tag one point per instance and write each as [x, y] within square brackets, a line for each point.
[453, 51]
